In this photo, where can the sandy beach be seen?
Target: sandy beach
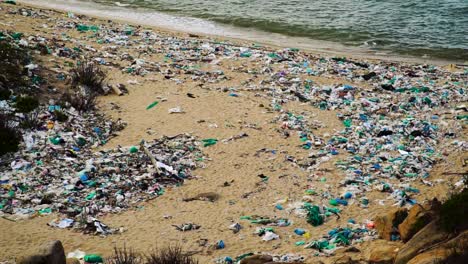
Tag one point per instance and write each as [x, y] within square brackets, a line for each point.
[223, 106]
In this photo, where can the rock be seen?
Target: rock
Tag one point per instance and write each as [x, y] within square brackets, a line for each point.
[383, 253]
[34, 259]
[257, 259]
[436, 255]
[387, 225]
[208, 196]
[417, 218]
[426, 237]
[352, 249]
[51, 252]
[440, 254]
[343, 250]
[54, 252]
[344, 260]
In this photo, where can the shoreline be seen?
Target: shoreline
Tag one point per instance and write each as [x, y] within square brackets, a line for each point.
[316, 47]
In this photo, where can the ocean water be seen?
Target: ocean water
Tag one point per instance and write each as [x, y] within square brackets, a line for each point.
[421, 28]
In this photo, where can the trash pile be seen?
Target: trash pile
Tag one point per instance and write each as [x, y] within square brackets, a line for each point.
[260, 258]
[340, 237]
[58, 171]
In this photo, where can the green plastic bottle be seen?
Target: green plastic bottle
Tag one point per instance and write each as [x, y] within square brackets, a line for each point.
[93, 258]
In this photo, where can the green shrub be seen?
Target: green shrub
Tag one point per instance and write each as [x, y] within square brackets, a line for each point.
[454, 212]
[9, 134]
[4, 94]
[31, 120]
[60, 116]
[13, 75]
[456, 258]
[26, 104]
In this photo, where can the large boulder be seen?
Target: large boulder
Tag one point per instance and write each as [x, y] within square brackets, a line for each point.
[388, 224]
[383, 252]
[429, 235]
[443, 251]
[417, 218]
[51, 252]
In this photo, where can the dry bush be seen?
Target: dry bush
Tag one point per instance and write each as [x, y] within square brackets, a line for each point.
[124, 256]
[90, 75]
[170, 255]
[82, 100]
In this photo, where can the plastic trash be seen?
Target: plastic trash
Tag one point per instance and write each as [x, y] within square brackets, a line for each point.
[93, 258]
[236, 227]
[270, 236]
[78, 254]
[209, 142]
[299, 231]
[220, 244]
[153, 104]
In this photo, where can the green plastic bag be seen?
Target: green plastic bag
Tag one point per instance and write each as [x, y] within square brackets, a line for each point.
[313, 215]
[209, 142]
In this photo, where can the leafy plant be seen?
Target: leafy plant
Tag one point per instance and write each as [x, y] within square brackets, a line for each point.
[454, 212]
[13, 75]
[26, 104]
[9, 134]
[60, 116]
[31, 120]
[455, 257]
[4, 94]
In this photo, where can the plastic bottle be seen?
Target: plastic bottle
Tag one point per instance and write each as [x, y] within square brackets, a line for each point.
[93, 258]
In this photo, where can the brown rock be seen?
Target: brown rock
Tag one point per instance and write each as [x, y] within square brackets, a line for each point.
[426, 237]
[417, 218]
[257, 259]
[51, 252]
[34, 259]
[387, 224]
[456, 245]
[430, 257]
[383, 253]
[344, 260]
[344, 250]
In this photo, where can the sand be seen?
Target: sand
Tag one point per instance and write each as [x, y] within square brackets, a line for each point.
[224, 116]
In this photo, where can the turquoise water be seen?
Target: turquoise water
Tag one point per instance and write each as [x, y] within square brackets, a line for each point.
[436, 28]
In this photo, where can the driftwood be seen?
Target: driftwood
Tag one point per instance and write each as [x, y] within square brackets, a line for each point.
[148, 153]
[116, 90]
